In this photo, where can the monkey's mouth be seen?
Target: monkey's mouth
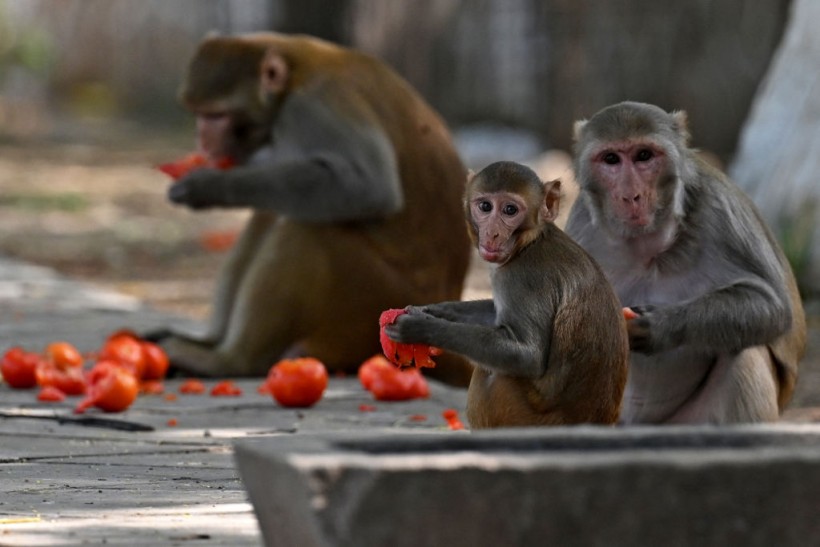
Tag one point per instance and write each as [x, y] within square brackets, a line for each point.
[630, 228]
[491, 255]
[638, 221]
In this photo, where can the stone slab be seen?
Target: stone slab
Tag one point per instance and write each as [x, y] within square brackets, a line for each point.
[745, 485]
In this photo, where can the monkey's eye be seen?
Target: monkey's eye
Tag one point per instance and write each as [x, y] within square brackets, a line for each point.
[510, 209]
[612, 158]
[644, 155]
[485, 206]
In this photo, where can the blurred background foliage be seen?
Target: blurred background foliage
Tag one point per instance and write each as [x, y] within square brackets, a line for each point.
[526, 65]
[509, 77]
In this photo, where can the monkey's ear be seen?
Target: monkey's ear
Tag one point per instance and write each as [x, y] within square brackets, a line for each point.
[470, 176]
[680, 123]
[577, 127]
[274, 73]
[552, 200]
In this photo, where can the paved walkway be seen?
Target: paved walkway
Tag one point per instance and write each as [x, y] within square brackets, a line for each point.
[68, 482]
[64, 481]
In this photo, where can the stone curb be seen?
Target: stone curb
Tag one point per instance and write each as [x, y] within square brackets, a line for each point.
[744, 485]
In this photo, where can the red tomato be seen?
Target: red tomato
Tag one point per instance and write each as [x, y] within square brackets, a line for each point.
[297, 382]
[18, 368]
[50, 394]
[192, 386]
[63, 355]
[181, 167]
[225, 388]
[372, 368]
[125, 348]
[417, 355]
[399, 385]
[629, 313]
[114, 391]
[69, 380]
[156, 361]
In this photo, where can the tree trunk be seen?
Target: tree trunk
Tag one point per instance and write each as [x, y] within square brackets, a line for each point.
[542, 64]
[778, 159]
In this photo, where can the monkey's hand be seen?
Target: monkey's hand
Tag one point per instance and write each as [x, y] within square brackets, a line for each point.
[413, 327]
[640, 330]
[479, 312]
[199, 189]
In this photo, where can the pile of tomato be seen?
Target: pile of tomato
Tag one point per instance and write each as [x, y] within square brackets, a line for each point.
[112, 383]
[112, 377]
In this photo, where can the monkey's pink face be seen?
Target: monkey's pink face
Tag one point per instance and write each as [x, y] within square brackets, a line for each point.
[224, 133]
[496, 217]
[630, 173]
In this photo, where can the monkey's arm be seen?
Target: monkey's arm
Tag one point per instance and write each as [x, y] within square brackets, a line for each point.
[746, 313]
[479, 312]
[322, 166]
[496, 347]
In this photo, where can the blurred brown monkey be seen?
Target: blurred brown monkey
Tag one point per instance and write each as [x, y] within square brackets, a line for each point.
[356, 190]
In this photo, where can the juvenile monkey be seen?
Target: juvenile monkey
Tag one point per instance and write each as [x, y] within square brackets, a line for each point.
[550, 347]
[721, 326]
[355, 186]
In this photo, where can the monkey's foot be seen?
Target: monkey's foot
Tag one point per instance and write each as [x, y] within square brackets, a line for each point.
[192, 359]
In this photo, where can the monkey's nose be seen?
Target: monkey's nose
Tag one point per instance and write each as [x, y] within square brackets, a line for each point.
[632, 199]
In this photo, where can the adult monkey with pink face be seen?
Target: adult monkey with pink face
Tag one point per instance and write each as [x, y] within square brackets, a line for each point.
[721, 326]
[356, 190]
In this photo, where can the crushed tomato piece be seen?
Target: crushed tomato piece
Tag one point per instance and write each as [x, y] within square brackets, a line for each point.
[453, 421]
[50, 394]
[226, 388]
[192, 386]
[184, 165]
[152, 387]
[404, 355]
[218, 241]
[629, 313]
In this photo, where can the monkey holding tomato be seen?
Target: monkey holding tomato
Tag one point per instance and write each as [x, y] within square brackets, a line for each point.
[356, 191]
